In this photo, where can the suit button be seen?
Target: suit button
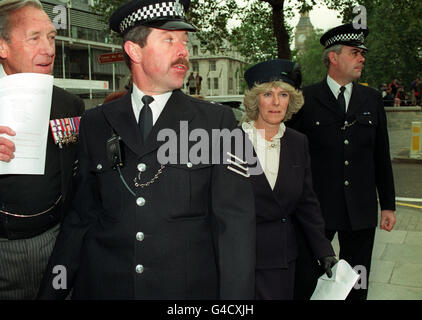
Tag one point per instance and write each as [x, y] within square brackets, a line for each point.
[283, 220]
[140, 201]
[346, 183]
[99, 166]
[346, 163]
[140, 236]
[317, 123]
[142, 167]
[139, 268]
[346, 142]
[189, 164]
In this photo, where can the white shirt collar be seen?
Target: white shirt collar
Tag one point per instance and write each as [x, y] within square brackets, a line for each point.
[157, 106]
[335, 89]
[249, 128]
[2, 72]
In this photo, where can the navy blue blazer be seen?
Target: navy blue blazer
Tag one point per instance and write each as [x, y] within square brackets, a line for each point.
[292, 202]
[189, 231]
[350, 155]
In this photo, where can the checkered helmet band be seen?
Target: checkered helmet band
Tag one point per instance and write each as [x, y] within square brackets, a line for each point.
[345, 38]
[163, 9]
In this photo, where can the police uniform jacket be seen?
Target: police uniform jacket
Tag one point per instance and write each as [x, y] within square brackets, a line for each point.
[350, 155]
[291, 203]
[29, 194]
[187, 233]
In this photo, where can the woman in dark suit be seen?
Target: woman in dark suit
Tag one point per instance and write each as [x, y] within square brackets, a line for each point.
[285, 202]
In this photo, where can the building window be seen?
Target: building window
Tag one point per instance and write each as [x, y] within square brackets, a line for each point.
[195, 50]
[231, 84]
[195, 66]
[209, 83]
[215, 83]
[213, 65]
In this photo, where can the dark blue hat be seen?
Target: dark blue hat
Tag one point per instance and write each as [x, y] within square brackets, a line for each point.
[274, 70]
[345, 34]
[161, 14]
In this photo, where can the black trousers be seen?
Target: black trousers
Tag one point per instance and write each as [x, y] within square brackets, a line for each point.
[356, 248]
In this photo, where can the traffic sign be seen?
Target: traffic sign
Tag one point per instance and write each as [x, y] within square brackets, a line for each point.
[110, 57]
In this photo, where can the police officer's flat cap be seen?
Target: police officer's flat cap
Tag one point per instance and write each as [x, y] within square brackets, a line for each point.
[345, 34]
[274, 70]
[161, 14]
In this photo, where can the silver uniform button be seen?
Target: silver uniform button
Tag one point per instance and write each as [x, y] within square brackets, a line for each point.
[346, 142]
[99, 166]
[140, 201]
[346, 123]
[139, 268]
[140, 236]
[346, 183]
[189, 164]
[370, 122]
[317, 123]
[142, 167]
[346, 163]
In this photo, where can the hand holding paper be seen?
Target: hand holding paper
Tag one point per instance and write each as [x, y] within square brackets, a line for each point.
[7, 147]
[25, 103]
[339, 285]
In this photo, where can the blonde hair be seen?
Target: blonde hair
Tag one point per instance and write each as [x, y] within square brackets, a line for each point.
[250, 101]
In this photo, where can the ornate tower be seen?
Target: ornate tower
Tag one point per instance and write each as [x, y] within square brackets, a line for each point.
[303, 29]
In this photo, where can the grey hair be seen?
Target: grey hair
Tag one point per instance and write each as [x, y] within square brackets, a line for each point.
[251, 104]
[336, 48]
[7, 7]
[137, 35]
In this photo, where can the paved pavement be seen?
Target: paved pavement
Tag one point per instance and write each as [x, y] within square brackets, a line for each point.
[397, 256]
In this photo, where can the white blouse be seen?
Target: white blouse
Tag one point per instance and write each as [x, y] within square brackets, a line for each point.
[268, 152]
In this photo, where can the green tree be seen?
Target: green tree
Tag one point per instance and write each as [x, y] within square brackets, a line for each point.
[212, 18]
[394, 41]
[254, 37]
[310, 59]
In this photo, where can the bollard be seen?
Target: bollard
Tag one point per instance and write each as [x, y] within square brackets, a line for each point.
[415, 144]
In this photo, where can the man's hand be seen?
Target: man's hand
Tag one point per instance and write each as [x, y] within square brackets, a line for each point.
[7, 147]
[327, 263]
[388, 220]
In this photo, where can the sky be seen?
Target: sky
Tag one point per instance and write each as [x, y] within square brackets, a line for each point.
[321, 17]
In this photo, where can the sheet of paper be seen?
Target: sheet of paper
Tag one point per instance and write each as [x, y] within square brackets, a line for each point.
[339, 285]
[25, 103]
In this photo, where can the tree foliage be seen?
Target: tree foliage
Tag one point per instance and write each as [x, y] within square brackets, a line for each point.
[310, 59]
[395, 39]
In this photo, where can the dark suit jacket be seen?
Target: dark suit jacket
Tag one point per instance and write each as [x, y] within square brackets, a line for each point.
[350, 155]
[292, 201]
[34, 190]
[66, 105]
[197, 220]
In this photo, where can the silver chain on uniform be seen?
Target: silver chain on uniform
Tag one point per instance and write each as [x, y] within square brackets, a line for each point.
[146, 184]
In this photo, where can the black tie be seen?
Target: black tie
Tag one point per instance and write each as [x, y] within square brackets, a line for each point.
[341, 100]
[145, 117]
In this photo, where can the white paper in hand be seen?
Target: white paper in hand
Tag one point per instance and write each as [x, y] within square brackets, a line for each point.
[25, 102]
[339, 285]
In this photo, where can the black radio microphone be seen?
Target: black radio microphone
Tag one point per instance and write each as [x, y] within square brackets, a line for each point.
[114, 153]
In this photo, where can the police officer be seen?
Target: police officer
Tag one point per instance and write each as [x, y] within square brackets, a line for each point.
[141, 227]
[346, 126]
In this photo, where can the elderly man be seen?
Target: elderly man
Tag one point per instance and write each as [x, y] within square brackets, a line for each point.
[347, 130]
[31, 206]
[142, 227]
